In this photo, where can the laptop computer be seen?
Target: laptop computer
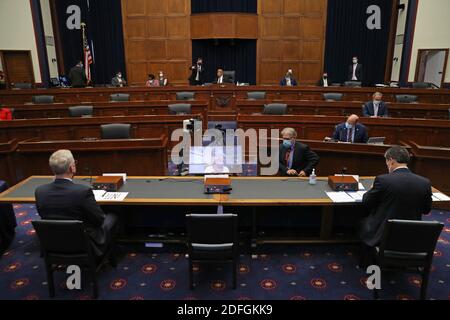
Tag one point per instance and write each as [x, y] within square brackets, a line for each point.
[376, 140]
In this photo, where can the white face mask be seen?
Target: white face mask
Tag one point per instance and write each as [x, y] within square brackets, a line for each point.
[355, 61]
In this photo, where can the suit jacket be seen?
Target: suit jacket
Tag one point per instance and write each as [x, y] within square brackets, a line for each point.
[77, 77]
[115, 82]
[358, 72]
[369, 110]
[304, 159]
[192, 80]
[400, 195]
[226, 79]
[320, 83]
[65, 200]
[361, 136]
[283, 82]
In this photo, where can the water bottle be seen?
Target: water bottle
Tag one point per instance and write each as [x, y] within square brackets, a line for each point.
[313, 177]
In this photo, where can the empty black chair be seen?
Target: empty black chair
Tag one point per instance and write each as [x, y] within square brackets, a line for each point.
[180, 108]
[120, 97]
[116, 131]
[23, 85]
[230, 76]
[256, 95]
[185, 95]
[421, 85]
[405, 98]
[275, 108]
[212, 238]
[65, 242]
[355, 84]
[81, 111]
[408, 246]
[333, 96]
[43, 99]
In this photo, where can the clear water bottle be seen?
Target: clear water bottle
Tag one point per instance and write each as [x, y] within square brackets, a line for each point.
[313, 177]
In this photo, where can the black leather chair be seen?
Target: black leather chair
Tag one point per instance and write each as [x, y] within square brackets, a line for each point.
[81, 111]
[332, 96]
[408, 246]
[185, 95]
[116, 131]
[120, 97]
[230, 75]
[43, 99]
[212, 238]
[275, 109]
[405, 98]
[180, 108]
[65, 242]
[256, 95]
[354, 84]
[421, 85]
[24, 85]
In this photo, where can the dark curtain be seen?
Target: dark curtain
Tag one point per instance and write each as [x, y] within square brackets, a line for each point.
[105, 35]
[348, 36]
[229, 54]
[204, 6]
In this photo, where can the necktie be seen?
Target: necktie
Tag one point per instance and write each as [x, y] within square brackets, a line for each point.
[349, 135]
[375, 109]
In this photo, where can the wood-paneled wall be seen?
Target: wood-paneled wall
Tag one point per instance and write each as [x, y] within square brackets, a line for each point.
[157, 37]
[291, 35]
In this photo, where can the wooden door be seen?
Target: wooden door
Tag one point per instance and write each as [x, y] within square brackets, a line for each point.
[18, 67]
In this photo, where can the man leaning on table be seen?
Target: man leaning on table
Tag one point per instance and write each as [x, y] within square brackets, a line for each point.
[65, 200]
[296, 159]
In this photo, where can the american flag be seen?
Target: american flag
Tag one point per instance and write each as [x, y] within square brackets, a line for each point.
[87, 60]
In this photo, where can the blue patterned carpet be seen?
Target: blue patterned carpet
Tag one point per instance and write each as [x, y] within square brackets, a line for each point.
[300, 272]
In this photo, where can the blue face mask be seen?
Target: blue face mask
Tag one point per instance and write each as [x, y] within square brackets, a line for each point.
[348, 125]
[287, 143]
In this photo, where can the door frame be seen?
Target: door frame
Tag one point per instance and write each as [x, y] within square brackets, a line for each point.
[5, 68]
[416, 77]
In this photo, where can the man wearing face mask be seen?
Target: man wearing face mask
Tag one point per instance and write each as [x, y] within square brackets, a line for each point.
[198, 71]
[325, 81]
[351, 131]
[118, 80]
[63, 199]
[355, 72]
[162, 79]
[400, 194]
[289, 79]
[296, 159]
[376, 107]
[77, 76]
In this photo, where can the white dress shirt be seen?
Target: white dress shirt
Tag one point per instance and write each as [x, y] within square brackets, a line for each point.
[354, 78]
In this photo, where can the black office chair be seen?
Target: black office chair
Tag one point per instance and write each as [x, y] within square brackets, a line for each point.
[81, 111]
[65, 242]
[354, 84]
[405, 98]
[275, 109]
[185, 95]
[230, 75]
[43, 99]
[332, 96]
[421, 85]
[180, 108]
[116, 131]
[256, 95]
[212, 238]
[120, 97]
[23, 85]
[408, 246]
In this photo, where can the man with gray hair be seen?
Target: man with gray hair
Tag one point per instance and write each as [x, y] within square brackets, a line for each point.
[296, 159]
[400, 194]
[65, 200]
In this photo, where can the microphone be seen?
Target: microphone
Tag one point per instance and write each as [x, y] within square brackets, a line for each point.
[344, 171]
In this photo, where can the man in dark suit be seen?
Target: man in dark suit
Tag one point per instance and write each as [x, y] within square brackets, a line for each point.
[351, 131]
[355, 72]
[65, 200]
[296, 159]
[118, 80]
[288, 79]
[400, 194]
[77, 76]
[197, 75]
[376, 107]
[325, 81]
[221, 77]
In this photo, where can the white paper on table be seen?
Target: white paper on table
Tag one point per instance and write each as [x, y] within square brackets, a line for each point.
[216, 176]
[348, 175]
[340, 197]
[361, 187]
[123, 175]
[435, 198]
[358, 196]
[98, 194]
[441, 196]
[114, 196]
